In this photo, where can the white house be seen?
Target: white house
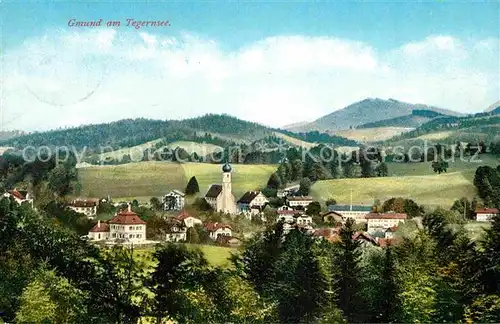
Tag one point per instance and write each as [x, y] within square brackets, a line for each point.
[86, 207]
[380, 222]
[486, 214]
[282, 193]
[286, 214]
[100, 232]
[303, 220]
[356, 212]
[299, 201]
[174, 200]
[252, 203]
[126, 225]
[19, 196]
[217, 229]
[188, 220]
[176, 232]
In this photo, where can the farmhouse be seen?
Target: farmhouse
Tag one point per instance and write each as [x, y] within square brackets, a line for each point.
[365, 238]
[357, 213]
[329, 234]
[99, 232]
[19, 196]
[286, 214]
[176, 231]
[282, 193]
[486, 214]
[187, 220]
[174, 200]
[303, 220]
[252, 202]
[217, 229]
[126, 225]
[86, 207]
[220, 197]
[299, 201]
[383, 221]
[332, 217]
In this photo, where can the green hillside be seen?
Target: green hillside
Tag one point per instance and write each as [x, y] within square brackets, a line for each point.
[434, 190]
[143, 180]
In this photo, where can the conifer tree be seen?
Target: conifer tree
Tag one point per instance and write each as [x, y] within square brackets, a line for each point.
[348, 260]
[192, 186]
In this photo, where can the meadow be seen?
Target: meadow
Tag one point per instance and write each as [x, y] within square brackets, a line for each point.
[371, 134]
[215, 255]
[414, 169]
[143, 180]
[432, 190]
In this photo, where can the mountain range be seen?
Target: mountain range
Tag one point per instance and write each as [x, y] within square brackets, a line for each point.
[368, 111]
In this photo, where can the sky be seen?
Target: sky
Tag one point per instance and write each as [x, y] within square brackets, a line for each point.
[275, 63]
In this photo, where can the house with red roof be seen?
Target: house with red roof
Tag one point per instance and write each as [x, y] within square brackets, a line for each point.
[218, 229]
[287, 214]
[19, 196]
[486, 214]
[100, 231]
[380, 222]
[126, 225]
[187, 220]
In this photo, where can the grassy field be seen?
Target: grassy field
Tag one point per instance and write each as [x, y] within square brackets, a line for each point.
[431, 190]
[294, 141]
[413, 169]
[215, 255]
[371, 134]
[437, 135]
[143, 180]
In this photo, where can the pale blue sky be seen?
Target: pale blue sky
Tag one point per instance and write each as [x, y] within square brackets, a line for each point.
[270, 62]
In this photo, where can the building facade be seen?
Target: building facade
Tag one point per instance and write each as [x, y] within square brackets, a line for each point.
[188, 220]
[19, 196]
[86, 207]
[252, 203]
[217, 229]
[125, 226]
[174, 200]
[355, 212]
[380, 222]
[299, 201]
[486, 214]
[220, 197]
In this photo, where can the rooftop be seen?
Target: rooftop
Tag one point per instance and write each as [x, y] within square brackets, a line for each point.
[487, 211]
[355, 208]
[386, 216]
[214, 191]
[127, 218]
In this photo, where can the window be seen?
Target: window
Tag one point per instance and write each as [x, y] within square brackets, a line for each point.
[99, 236]
[131, 236]
[130, 228]
[139, 235]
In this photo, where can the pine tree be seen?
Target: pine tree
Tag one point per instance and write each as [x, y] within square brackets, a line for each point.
[348, 260]
[491, 257]
[273, 182]
[192, 186]
[389, 305]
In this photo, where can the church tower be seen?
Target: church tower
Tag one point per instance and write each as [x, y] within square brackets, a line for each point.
[228, 202]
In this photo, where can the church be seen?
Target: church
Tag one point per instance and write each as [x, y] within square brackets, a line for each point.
[221, 197]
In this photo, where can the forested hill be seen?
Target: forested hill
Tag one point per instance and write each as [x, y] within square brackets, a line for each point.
[132, 132]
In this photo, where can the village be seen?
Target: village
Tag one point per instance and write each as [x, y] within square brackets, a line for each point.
[127, 228]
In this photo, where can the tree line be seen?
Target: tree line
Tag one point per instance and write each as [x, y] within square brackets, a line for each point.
[432, 274]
